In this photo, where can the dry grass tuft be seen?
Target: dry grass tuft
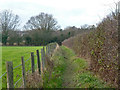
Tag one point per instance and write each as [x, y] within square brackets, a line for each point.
[34, 80]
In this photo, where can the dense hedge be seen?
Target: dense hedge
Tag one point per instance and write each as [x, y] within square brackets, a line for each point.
[101, 47]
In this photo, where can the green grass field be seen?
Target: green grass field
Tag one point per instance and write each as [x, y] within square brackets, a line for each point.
[68, 71]
[14, 53]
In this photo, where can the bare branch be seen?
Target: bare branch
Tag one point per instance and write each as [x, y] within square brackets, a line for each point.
[8, 21]
[41, 22]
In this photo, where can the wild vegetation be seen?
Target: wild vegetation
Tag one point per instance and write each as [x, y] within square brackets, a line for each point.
[66, 70]
[88, 57]
[100, 48]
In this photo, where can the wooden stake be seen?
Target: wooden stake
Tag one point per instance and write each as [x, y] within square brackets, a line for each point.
[38, 61]
[32, 62]
[9, 67]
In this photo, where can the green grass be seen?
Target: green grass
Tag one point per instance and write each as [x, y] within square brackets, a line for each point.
[80, 77]
[14, 53]
[71, 71]
[68, 70]
[84, 78]
[55, 79]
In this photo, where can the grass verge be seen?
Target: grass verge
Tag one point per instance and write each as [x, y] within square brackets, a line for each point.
[69, 71]
[53, 77]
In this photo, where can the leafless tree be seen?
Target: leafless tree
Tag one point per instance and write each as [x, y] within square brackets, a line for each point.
[8, 22]
[42, 21]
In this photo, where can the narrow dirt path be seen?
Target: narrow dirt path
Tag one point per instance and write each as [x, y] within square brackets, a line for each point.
[76, 74]
[69, 73]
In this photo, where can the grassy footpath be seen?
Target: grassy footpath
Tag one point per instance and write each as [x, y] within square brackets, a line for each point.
[53, 77]
[69, 71]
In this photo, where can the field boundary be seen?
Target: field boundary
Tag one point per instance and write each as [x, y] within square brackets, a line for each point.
[40, 54]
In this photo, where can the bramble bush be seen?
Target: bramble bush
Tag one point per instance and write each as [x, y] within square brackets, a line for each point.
[101, 47]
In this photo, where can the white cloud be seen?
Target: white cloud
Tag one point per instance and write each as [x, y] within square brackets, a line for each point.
[67, 12]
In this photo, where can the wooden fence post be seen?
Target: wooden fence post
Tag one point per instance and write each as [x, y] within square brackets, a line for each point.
[9, 67]
[32, 62]
[23, 72]
[46, 50]
[42, 59]
[49, 50]
[38, 61]
[44, 56]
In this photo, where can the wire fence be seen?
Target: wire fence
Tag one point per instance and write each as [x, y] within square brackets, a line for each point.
[27, 66]
[28, 59]
[16, 75]
[17, 66]
[4, 79]
[17, 82]
[3, 75]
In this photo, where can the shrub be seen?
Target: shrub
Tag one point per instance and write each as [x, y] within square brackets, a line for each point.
[101, 46]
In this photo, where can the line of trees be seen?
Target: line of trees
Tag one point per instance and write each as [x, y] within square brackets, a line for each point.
[39, 30]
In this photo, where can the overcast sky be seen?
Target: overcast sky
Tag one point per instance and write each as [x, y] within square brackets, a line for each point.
[66, 12]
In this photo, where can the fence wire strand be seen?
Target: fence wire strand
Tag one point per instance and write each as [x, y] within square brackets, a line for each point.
[17, 82]
[28, 59]
[17, 66]
[27, 65]
[3, 75]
